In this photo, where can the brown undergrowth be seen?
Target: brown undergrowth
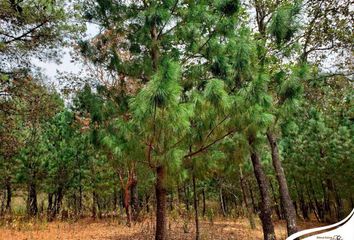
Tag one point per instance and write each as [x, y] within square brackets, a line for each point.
[112, 229]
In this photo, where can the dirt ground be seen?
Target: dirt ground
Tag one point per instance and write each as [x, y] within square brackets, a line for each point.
[109, 229]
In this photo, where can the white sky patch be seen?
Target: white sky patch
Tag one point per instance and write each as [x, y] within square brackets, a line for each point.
[67, 64]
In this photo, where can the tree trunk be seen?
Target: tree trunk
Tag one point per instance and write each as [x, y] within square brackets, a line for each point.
[254, 206]
[58, 200]
[94, 210]
[99, 206]
[312, 205]
[8, 196]
[266, 205]
[171, 201]
[246, 200]
[50, 207]
[289, 210]
[135, 198]
[80, 200]
[195, 201]
[339, 203]
[326, 205]
[2, 209]
[204, 205]
[186, 196]
[303, 206]
[127, 200]
[222, 207]
[276, 205]
[32, 208]
[147, 197]
[115, 201]
[161, 194]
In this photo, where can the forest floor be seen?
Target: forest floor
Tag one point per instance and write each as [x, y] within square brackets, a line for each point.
[109, 229]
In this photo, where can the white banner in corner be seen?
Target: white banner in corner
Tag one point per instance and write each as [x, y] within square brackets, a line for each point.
[343, 230]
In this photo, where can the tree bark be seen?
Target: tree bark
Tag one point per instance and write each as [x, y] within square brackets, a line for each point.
[147, 197]
[254, 206]
[32, 207]
[222, 203]
[204, 205]
[186, 196]
[80, 200]
[303, 206]
[312, 205]
[276, 204]
[339, 203]
[161, 198]
[289, 210]
[135, 197]
[50, 207]
[127, 200]
[94, 210]
[266, 205]
[8, 196]
[247, 202]
[195, 201]
[2, 209]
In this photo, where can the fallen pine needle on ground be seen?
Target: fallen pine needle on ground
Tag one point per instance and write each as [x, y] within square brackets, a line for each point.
[88, 228]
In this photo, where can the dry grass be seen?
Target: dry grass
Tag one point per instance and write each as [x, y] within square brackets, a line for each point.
[110, 229]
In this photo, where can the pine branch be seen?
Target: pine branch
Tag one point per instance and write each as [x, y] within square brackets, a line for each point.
[20, 38]
[203, 148]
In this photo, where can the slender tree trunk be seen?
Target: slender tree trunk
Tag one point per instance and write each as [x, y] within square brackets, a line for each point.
[318, 206]
[204, 205]
[296, 208]
[94, 210]
[224, 201]
[326, 205]
[222, 206]
[115, 201]
[246, 201]
[289, 210]
[147, 197]
[80, 200]
[339, 203]
[312, 205]
[8, 196]
[32, 207]
[127, 201]
[50, 207]
[179, 194]
[135, 197]
[195, 201]
[276, 205]
[303, 206]
[186, 196]
[99, 206]
[266, 205]
[2, 209]
[171, 201]
[254, 206]
[55, 208]
[161, 194]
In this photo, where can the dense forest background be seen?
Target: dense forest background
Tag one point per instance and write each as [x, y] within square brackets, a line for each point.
[189, 109]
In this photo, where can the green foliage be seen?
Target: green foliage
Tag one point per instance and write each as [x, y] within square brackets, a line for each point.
[284, 22]
[190, 86]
